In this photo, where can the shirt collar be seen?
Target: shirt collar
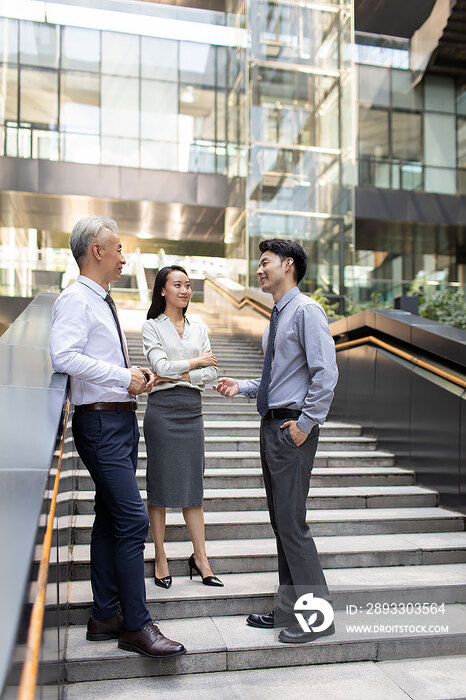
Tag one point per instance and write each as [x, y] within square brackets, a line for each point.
[291, 293]
[92, 285]
[165, 317]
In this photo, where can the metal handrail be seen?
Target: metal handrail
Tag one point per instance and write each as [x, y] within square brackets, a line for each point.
[238, 304]
[28, 681]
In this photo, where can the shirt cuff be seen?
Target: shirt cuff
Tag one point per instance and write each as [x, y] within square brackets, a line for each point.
[125, 377]
[242, 386]
[305, 424]
[195, 376]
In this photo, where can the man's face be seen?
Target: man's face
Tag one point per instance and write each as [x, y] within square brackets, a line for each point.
[271, 271]
[111, 258]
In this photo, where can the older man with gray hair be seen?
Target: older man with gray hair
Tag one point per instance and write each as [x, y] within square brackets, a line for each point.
[87, 343]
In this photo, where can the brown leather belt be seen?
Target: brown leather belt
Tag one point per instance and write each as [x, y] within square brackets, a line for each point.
[290, 413]
[107, 406]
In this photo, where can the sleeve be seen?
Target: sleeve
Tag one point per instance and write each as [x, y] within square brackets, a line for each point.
[156, 354]
[67, 341]
[317, 342]
[203, 375]
[248, 387]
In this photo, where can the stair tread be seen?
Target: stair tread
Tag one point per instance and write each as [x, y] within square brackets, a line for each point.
[256, 584]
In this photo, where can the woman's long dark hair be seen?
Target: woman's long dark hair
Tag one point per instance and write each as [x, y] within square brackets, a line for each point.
[158, 301]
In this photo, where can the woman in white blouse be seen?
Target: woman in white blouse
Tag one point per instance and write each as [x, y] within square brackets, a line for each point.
[179, 353]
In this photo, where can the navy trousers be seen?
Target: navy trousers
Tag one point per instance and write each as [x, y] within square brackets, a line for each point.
[107, 442]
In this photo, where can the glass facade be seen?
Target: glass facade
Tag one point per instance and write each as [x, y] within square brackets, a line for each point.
[290, 133]
[410, 137]
[103, 97]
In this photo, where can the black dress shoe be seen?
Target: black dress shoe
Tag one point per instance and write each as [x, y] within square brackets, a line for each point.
[150, 642]
[206, 580]
[164, 582]
[295, 634]
[276, 618]
[101, 630]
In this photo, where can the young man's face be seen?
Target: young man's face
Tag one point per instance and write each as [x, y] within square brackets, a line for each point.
[272, 270]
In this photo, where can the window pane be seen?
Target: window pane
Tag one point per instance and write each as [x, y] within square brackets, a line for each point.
[440, 180]
[159, 58]
[120, 152]
[411, 176]
[198, 108]
[406, 136]
[374, 85]
[39, 97]
[439, 140]
[439, 93]
[373, 132]
[197, 63]
[403, 94]
[462, 143]
[8, 40]
[45, 145]
[80, 103]
[159, 156]
[9, 94]
[120, 54]
[120, 106]
[159, 110]
[80, 49]
[81, 149]
[461, 102]
[39, 44]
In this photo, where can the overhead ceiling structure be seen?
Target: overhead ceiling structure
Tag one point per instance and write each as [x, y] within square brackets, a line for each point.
[391, 17]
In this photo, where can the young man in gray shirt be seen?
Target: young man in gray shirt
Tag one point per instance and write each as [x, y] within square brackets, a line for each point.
[293, 397]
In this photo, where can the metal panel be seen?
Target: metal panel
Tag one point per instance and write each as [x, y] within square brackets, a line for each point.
[392, 390]
[361, 377]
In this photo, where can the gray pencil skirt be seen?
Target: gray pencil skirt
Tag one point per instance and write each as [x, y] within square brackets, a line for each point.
[174, 435]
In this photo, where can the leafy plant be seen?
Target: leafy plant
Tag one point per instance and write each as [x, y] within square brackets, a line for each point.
[445, 306]
[330, 309]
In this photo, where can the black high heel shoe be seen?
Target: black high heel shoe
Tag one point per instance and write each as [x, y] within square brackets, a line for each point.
[164, 582]
[206, 580]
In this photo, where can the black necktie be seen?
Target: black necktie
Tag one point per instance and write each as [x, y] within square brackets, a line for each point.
[112, 306]
[264, 386]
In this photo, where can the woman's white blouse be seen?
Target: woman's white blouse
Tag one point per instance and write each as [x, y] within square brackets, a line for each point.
[169, 355]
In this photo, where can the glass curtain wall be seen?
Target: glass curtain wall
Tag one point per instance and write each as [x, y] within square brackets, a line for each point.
[290, 136]
[100, 97]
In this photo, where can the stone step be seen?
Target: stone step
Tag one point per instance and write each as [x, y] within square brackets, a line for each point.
[221, 643]
[256, 524]
[235, 556]
[326, 497]
[236, 443]
[247, 592]
[251, 429]
[387, 680]
[252, 477]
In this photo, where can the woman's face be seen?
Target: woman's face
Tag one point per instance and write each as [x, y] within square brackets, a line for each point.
[177, 290]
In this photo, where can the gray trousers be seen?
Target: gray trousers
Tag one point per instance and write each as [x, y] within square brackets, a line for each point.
[287, 474]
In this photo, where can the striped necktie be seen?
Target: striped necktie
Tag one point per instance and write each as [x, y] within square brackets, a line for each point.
[112, 306]
[264, 386]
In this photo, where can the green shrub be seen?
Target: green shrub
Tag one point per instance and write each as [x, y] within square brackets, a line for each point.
[330, 309]
[445, 306]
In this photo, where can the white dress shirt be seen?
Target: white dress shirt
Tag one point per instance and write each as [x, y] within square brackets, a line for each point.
[169, 355]
[84, 343]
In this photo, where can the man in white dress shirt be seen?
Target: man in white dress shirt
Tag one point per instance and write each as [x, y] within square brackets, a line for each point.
[87, 344]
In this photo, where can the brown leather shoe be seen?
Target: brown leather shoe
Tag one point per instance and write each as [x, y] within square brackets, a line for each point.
[101, 630]
[150, 642]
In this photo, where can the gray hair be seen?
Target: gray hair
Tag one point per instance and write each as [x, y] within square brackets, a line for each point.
[84, 233]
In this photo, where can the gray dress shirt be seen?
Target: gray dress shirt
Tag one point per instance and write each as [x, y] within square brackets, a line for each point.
[304, 369]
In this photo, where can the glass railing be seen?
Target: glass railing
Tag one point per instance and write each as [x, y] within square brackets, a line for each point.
[410, 175]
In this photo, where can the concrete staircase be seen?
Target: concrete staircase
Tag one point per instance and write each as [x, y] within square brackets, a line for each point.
[381, 537]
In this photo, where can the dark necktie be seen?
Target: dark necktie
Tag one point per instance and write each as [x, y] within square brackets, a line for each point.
[112, 306]
[264, 386]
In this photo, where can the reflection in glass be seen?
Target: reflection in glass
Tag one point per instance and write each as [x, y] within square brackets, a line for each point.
[120, 54]
[45, 145]
[462, 143]
[406, 136]
[374, 85]
[79, 148]
[8, 94]
[116, 151]
[439, 140]
[439, 93]
[197, 63]
[442, 180]
[80, 102]
[198, 109]
[159, 156]
[39, 44]
[120, 106]
[403, 94]
[159, 110]
[39, 96]
[80, 49]
[373, 132]
[159, 58]
[8, 40]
